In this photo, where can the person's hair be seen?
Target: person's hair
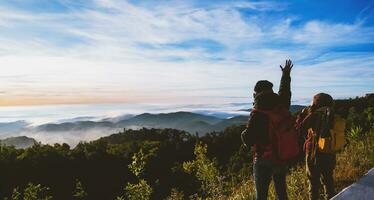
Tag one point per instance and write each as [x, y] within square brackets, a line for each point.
[322, 100]
[263, 85]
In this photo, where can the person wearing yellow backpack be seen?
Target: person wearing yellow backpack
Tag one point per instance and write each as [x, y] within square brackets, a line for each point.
[324, 136]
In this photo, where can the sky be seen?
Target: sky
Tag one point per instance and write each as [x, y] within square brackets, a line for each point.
[181, 52]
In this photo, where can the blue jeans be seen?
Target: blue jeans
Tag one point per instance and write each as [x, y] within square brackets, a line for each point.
[264, 170]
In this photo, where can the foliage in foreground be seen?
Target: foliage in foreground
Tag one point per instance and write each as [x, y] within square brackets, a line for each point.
[141, 190]
[205, 170]
[31, 192]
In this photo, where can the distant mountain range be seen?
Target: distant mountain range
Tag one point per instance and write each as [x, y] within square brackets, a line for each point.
[201, 123]
[13, 127]
[190, 122]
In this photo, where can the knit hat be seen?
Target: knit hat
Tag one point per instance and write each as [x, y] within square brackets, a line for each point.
[321, 100]
[263, 85]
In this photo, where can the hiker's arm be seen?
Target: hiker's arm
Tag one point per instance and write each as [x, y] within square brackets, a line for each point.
[285, 85]
[257, 126]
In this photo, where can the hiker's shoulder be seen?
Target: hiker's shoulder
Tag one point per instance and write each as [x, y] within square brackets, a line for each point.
[258, 115]
[266, 100]
[306, 110]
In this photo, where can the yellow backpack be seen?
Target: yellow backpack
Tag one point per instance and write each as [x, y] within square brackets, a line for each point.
[336, 139]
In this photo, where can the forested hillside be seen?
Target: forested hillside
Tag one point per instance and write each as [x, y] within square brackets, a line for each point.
[20, 142]
[168, 163]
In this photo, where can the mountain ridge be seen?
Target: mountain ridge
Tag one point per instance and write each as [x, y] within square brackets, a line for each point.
[187, 121]
[19, 142]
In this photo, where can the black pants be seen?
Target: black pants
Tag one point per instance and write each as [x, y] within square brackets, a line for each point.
[320, 170]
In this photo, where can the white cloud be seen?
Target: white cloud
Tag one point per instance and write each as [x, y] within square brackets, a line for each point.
[96, 51]
[328, 34]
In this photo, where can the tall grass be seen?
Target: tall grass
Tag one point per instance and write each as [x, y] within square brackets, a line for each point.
[352, 163]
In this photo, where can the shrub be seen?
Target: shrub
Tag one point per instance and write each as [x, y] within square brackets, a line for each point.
[355, 133]
[175, 195]
[79, 192]
[141, 190]
[206, 171]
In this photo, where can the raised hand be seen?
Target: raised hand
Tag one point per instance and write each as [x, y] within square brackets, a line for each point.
[287, 67]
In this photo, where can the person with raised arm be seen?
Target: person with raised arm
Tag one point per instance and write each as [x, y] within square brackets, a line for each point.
[269, 119]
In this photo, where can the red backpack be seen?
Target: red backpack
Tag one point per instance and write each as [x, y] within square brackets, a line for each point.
[283, 137]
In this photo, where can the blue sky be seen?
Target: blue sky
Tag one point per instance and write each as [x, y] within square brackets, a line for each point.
[113, 51]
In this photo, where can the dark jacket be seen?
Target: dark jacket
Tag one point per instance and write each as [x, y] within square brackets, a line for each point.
[256, 132]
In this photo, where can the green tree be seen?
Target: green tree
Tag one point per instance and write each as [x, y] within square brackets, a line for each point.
[36, 192]
[79, 191]
[16, 194]
[175, 195]
[138, 163]
[369, 113]
[141, 190]
[364, 119]
[206, 171]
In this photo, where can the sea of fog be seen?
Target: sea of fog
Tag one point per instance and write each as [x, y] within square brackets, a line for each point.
[37, 115]
[22, 120]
